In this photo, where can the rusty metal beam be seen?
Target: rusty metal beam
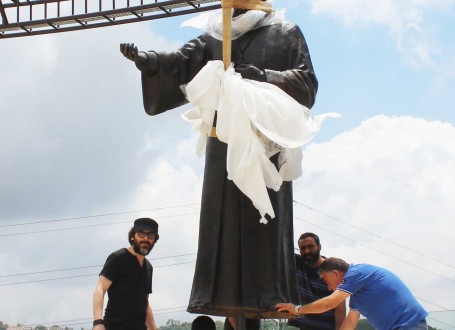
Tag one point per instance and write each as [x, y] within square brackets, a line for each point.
[156, 10]
[16, 3]
[3, 13]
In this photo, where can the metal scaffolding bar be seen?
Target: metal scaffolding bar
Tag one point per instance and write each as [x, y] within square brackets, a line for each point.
[34, 17]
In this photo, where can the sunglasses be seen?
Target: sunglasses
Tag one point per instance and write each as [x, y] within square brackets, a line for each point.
[142, 234]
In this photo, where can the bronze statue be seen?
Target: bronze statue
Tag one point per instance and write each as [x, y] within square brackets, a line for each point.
[243, 267]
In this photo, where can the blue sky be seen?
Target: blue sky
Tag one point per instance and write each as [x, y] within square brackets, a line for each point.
[377, 183]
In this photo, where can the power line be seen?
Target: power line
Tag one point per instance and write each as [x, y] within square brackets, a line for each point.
[90, 226]
[378, 251]
[90, 319]
[83, 267]
[97, 215]
[85, 275]
[432, 303]
[375, 235]
[451, 326]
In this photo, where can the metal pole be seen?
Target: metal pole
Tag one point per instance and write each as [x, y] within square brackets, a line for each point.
[240, 322]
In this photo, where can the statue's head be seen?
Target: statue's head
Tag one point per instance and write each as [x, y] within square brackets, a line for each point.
[238, 11]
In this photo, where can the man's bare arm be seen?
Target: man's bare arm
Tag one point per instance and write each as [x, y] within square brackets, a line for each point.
[351, 320]
[317, 307]
[98, 299]
[150, 320]
[340, 314]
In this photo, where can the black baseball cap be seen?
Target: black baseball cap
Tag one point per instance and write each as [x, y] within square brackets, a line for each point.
[146, 224]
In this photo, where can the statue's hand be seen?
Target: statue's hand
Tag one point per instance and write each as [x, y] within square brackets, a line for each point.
[132, 53]
[143, 62]
[249, 71]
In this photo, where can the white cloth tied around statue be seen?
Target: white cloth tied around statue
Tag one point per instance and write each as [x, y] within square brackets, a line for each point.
[256, 120]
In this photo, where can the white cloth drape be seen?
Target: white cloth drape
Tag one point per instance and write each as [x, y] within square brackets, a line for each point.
[256, 120]
[211, 22]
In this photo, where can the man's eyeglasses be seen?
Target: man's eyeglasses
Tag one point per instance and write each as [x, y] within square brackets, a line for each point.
[142, 234]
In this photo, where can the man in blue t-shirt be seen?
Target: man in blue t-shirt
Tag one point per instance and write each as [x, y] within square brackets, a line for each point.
[312, 287]
[374, 292]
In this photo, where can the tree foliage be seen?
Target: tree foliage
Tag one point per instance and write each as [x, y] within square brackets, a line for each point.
[3, 326]
[178, 325]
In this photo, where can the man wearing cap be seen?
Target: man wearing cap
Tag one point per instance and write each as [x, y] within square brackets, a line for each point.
[127, 278]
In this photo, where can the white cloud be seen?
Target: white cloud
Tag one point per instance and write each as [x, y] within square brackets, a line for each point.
[383, 193]
[405, 21]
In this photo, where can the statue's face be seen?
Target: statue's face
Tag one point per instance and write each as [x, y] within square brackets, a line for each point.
[238, 11]
[309, 250]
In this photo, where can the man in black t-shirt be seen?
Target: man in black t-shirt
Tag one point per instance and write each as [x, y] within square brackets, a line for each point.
[127, 278]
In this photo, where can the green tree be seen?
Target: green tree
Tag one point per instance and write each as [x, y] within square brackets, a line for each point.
[40, 327]
[219, 325]
[3, 326]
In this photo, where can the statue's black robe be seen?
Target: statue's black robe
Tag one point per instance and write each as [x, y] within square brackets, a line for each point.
[242, 266]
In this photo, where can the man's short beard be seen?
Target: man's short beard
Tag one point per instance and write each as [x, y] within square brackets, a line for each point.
[141, 250]
[314, 259]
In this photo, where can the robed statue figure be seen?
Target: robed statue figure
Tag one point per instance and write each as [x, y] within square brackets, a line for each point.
[243, 266]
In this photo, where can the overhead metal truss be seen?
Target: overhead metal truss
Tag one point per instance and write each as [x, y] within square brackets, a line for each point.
[21, 18]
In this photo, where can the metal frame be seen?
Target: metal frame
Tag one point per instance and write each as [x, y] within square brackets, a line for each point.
[21, 18]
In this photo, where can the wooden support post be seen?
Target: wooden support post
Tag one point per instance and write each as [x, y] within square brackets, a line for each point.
[240, 321]
[227, 42]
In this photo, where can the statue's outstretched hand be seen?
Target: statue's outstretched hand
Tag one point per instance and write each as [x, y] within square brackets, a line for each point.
[249, 71]
[143, 62]
[131, 52]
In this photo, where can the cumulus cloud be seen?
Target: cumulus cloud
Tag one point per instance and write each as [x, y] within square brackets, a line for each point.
[405, 21]
[382, 193]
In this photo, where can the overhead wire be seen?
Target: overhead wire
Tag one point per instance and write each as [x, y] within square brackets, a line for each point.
[89, 226]
[375, 235]
[126, 212]
[96, 216]
[84, 267]
[84, 275]
[378, 251]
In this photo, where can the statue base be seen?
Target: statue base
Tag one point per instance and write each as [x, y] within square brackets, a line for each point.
[233, 311]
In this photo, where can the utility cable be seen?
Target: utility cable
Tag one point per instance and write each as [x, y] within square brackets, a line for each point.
[375, 235]
[83, 267]
[378, 251]
[85, 275]
[90, 226]
[96, 216]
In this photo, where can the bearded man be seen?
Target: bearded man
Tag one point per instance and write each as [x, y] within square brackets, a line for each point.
[312, 287]
[127, 278]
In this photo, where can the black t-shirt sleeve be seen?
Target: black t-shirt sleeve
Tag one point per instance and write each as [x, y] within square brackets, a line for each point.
[111, 268]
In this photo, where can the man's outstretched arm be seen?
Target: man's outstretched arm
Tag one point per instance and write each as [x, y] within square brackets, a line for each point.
[317, 307]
